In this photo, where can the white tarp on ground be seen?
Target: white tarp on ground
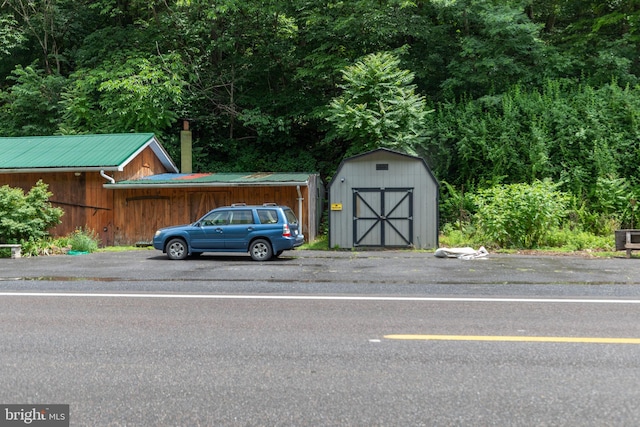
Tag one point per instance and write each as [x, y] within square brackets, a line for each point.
[461, 253]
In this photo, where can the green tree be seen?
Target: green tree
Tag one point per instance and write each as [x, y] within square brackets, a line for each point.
[599, 39]
[123, 94]
[265, 70]
[379, 106]
[240, 93]
[31, 106]
[10, 35]
[46, 22]
[497, 46]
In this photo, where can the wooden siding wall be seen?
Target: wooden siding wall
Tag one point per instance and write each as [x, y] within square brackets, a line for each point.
[140, 212]
[144, 164]
[85, 203]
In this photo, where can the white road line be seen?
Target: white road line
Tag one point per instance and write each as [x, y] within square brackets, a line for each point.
[320, 298]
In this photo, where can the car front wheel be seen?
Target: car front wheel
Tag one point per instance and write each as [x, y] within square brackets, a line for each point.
[177, 249]
[260, 250]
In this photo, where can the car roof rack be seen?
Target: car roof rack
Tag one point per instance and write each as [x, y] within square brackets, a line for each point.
[238, 204]
[270, 204]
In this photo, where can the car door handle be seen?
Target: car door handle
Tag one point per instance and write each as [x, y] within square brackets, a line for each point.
[219, 230]
[250, 228]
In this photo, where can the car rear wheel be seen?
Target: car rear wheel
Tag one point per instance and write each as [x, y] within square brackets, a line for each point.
[260, 250]
[177, 249]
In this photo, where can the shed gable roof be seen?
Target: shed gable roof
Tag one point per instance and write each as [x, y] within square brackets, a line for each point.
[384, 152]
[110, 152]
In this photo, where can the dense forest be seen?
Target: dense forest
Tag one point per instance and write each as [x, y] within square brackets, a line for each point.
[489, 92]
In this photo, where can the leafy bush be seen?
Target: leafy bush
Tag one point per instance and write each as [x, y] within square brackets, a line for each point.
[612, 206]
[26, 217]
[452, 237]
[456, 206]
[520, 215]
[84, 240]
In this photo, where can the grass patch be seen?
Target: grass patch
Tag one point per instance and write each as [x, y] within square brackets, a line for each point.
[320, 244]
[84, 240]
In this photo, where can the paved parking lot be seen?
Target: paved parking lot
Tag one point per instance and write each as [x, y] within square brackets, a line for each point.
[392, 266]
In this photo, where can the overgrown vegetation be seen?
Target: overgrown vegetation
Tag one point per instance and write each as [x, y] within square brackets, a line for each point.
[526, 216]
[521, 91]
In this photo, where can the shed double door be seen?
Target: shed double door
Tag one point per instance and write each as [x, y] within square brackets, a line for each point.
[383, 217]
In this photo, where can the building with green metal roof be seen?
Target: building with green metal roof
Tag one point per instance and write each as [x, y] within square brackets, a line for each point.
[83, 153]
[125, 186]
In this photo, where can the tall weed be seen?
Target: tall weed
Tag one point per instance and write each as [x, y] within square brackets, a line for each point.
[84, 240]
[520, 215]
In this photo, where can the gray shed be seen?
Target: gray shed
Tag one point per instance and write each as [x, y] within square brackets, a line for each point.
[383, 198]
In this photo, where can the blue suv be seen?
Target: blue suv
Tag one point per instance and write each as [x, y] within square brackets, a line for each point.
[263, 231]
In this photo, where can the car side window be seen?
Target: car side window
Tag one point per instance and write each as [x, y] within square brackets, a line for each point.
[291, 217]
[268, 216]
[241, 217]
[216, 218]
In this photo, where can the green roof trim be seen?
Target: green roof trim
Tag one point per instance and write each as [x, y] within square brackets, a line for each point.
[77, 152]
[215, 180]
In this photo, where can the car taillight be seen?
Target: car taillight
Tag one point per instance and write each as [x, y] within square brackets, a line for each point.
[285, 231]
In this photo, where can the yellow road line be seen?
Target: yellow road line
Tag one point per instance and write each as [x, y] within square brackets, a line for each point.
[587, 340]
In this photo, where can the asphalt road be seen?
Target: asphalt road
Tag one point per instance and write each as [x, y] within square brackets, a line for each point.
[387, 338]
